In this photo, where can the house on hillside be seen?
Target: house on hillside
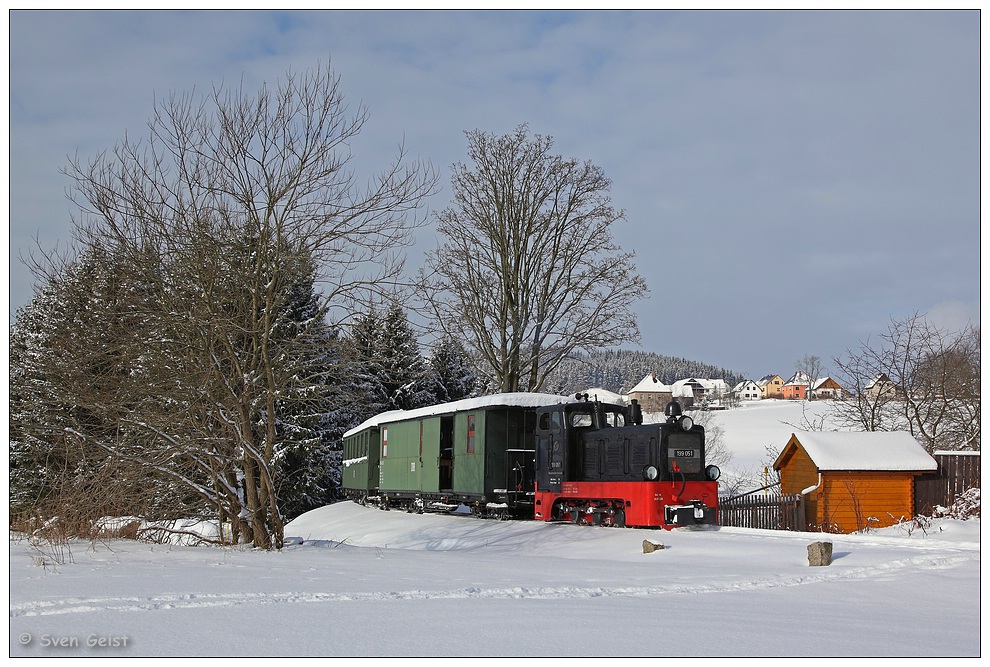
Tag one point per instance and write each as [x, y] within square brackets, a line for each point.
[652, 394]
[770, 385]
[683, 393]
[702, 390]
[881, 387]
[796, 388]
[826, 388]
[853, 480]
[747, 390]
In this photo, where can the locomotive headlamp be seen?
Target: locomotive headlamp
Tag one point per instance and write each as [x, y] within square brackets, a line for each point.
[686, 423]
[713, 472]
[650, 472]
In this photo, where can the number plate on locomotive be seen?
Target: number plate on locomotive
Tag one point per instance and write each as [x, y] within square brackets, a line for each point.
[684, 453]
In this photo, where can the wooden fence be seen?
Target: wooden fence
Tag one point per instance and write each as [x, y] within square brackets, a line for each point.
[957, 472]
[767, 511]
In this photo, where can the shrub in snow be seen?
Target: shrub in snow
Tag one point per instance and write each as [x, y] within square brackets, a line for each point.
[965, 506]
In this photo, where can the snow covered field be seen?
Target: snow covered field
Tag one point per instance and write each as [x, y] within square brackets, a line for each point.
[752, 426]
[359, 582]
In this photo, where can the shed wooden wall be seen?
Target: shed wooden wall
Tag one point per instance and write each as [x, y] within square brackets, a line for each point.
[851, 501]
[797, 472]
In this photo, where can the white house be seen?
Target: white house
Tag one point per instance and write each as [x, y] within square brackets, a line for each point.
[747, 390]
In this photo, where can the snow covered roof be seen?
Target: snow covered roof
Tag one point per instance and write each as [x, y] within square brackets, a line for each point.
[686, 386]
[650, 383]
[604, 395]
[510, 400]
[858, 450]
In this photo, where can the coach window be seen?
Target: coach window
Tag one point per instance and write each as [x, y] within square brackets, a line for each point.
[470, 434]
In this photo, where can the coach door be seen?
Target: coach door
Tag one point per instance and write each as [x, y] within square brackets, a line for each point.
[446, 459]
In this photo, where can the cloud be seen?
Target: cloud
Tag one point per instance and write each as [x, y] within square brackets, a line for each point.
[739, 143]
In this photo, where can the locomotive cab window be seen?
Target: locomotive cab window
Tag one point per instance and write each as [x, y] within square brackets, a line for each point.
[616, 419]
[581, 419]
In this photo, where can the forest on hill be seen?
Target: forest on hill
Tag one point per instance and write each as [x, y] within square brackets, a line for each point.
[620, 370]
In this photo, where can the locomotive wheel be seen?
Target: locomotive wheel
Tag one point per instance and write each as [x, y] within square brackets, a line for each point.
[588, 518]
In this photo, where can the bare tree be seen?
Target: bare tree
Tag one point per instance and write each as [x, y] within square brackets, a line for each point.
[528, 272]
[220, 209]
[812, 368]
[918, 378]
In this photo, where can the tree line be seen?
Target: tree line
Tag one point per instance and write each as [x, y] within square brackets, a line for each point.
[620, 370]
[105, 420]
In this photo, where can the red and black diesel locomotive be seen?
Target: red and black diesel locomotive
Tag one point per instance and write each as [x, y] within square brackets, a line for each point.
[538, 456]
[598, 464]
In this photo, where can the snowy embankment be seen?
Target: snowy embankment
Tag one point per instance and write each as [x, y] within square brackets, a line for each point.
[356, 581]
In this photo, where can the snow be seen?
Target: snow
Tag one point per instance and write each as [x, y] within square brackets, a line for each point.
[650, 383]
[358, 582]
[897, 450]
[754, 427]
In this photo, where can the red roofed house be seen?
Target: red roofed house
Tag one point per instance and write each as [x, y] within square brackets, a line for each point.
[853, 480]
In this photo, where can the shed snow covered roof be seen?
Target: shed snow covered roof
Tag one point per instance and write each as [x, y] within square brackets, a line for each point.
[509, 400]
[858, 450]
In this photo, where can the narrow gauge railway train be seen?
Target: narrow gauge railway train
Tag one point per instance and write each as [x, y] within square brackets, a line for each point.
[538, 456]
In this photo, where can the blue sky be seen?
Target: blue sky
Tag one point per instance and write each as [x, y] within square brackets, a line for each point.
[791, 180]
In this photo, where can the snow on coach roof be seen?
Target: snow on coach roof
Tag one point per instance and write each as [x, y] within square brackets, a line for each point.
[857, 450]
[510, 400]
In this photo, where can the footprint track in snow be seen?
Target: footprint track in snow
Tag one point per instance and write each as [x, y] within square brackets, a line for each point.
[206, 600]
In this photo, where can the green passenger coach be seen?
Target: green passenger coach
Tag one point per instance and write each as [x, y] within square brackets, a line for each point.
[476, 452]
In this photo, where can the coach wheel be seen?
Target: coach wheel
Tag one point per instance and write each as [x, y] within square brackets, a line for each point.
[619, 518]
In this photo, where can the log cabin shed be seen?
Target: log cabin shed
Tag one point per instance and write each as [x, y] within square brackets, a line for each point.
[853, 480]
